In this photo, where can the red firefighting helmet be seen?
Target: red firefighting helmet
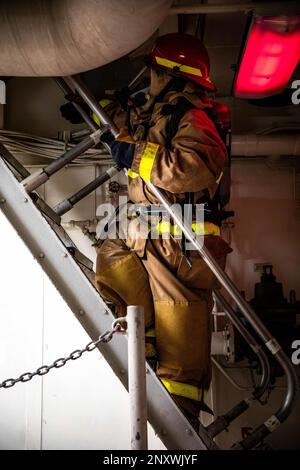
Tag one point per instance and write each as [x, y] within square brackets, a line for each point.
[183, 55]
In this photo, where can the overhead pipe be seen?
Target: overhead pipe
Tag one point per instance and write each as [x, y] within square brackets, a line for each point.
[66, 37]
[261, 7]
[49, 38]
[252, 145]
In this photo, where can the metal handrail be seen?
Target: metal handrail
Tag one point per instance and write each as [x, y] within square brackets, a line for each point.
[68, 91]
[223, 421]
[252, 342]
[91, 101]
[270, 342]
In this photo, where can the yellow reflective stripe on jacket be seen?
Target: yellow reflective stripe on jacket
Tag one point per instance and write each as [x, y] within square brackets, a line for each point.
[183, 68]
[104, 102]
[132, 174]
[206, 228]
[150, 333]
[147, 160]
[200, 228]
[184, 390]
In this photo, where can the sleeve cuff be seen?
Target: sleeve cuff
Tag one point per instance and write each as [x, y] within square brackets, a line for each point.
[144, 158]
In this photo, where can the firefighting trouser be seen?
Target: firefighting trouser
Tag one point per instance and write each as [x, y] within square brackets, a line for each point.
[177, 299]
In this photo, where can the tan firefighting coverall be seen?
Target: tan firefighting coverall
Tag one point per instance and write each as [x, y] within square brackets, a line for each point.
[154, 273]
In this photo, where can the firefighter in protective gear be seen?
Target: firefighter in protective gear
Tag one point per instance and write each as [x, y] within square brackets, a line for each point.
[175, 289]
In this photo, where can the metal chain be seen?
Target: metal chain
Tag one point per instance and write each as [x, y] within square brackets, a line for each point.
[43, 370]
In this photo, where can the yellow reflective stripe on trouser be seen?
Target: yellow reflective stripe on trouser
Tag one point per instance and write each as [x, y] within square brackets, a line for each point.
[200, 228]
[183, 68]
[132, 174]
[184, 390]
[147, 160]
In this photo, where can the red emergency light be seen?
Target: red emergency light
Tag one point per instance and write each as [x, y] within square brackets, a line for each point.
[270, 57]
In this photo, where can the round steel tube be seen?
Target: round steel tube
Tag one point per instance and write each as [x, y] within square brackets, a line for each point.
[137, 377]
[67, 204]
[87, 96]
[263, 359]
[40, 177]
[67, 91]
[222, 422]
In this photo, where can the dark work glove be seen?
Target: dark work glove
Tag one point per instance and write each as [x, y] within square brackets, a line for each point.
[122, 152]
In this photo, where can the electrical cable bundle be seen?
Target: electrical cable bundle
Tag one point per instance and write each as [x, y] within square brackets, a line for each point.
[26, 145]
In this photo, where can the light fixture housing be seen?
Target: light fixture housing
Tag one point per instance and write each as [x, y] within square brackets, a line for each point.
[271, 54]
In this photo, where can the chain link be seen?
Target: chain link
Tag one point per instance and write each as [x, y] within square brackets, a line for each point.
[62, 361]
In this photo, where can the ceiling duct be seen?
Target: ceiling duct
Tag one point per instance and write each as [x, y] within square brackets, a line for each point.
[66, 37]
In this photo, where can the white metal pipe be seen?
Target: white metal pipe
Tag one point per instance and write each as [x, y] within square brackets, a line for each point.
[137, 377]
[233, 8]
[251, 145]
